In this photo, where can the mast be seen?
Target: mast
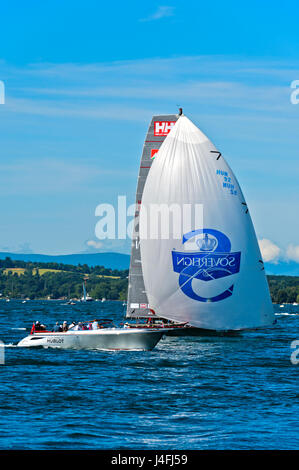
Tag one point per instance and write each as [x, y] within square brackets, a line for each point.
[159, 128]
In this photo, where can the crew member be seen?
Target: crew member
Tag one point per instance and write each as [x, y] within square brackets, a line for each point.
[57, 328]
[39, 326]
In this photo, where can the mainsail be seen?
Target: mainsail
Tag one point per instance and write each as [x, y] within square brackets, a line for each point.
[137, 301]
[213, 275]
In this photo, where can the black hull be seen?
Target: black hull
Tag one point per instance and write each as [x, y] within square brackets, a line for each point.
[192, 331]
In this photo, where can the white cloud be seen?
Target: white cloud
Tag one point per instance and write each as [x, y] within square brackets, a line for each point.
[162, 12]
[116, 246]
[134, 90]
[293, 253]
[47, 175]
[21, 248]
[24, 248]
[270, 251]
[94, 244]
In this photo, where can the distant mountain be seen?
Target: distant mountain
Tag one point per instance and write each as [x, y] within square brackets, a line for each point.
[108, 260]
[283, 268]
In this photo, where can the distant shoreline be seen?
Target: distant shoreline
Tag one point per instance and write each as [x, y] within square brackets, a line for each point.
[23, 280]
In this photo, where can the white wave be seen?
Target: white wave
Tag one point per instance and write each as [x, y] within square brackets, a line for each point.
[286, 313]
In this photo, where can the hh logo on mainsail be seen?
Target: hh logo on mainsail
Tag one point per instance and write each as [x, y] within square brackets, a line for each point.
[163, 127]
[153, 153]
[214, 260]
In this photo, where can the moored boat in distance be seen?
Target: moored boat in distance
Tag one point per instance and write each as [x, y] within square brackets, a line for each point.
[86, 297]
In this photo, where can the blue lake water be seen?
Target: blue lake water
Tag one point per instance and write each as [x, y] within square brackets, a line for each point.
[188, 393]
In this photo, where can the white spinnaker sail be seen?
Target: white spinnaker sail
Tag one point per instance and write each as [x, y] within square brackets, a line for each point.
[213, 275]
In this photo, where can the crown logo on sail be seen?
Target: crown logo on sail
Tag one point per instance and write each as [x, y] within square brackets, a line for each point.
[215, 260]
[207, 243]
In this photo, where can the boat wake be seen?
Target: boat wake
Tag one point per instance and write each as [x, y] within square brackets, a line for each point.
[286, 314]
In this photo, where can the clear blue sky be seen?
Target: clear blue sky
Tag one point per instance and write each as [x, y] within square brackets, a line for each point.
[83, 79]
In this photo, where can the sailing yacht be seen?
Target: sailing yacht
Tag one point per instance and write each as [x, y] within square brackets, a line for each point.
[212, 276]
[86, 297]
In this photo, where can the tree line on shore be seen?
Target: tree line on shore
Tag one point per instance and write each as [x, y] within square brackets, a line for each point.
[284, 289]
[60, 281]
[65, 281]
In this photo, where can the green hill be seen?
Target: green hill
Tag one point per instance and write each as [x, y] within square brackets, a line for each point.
[21, 279]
